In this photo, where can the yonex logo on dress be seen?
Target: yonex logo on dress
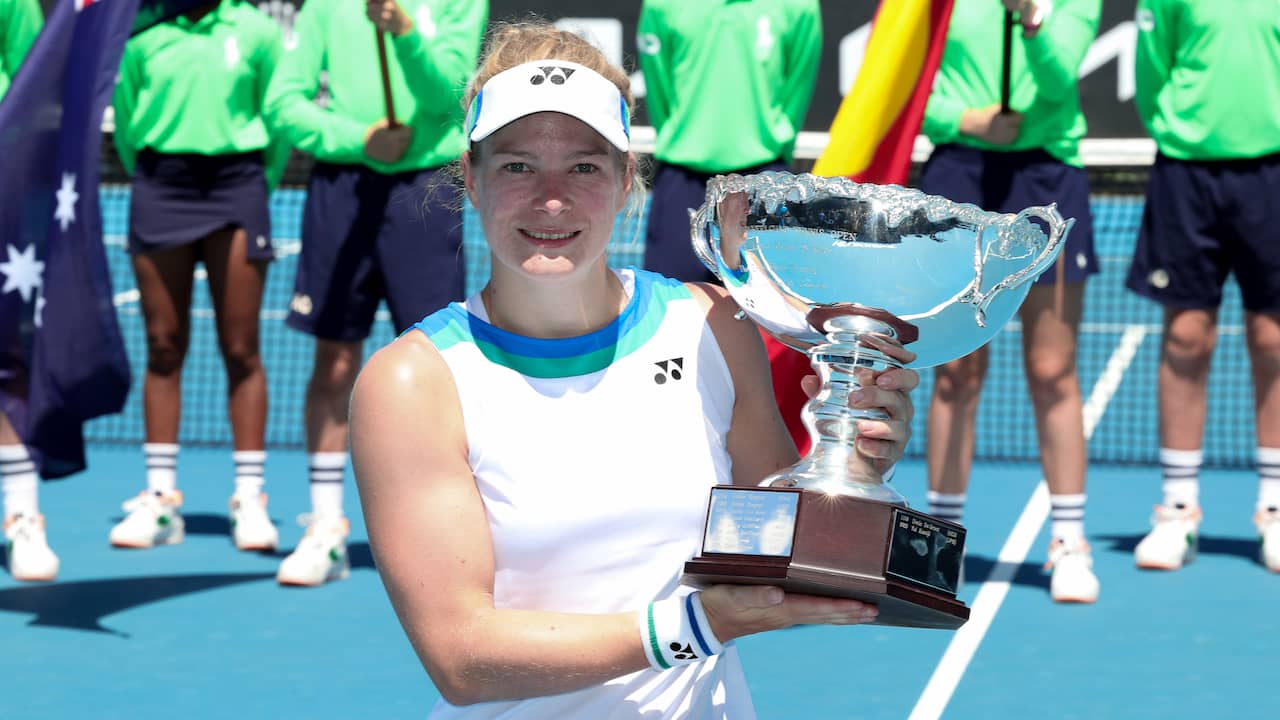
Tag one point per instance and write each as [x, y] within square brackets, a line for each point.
[557, 75]
[672, 369]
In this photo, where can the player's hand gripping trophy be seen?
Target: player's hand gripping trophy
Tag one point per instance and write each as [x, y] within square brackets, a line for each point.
[842, 271]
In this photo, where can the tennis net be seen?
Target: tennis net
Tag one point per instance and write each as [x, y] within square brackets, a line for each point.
[1119, 342]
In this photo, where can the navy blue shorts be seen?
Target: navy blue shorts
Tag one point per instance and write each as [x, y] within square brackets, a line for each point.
[369, 237]
[1203, 220]
[668, 247]
[1009, 182]
[176, 199]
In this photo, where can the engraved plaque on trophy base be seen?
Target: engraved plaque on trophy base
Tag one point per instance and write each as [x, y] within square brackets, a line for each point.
[905, 562]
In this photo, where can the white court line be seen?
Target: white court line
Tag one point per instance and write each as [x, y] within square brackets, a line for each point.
[946, 676]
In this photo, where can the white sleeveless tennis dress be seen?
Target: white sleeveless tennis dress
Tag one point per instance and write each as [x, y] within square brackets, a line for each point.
[594, 456]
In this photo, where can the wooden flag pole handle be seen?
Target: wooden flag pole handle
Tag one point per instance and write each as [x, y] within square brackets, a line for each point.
[1006, 65]
[386, 77]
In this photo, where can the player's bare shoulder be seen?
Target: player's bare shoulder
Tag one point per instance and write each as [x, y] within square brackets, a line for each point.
[408, 368]
[733, 330]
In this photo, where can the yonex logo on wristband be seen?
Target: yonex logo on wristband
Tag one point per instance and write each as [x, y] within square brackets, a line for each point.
[676, 631]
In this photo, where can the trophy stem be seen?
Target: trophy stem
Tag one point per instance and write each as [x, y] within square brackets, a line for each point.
[833, 465]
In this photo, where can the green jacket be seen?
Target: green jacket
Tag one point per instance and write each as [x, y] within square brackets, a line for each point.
[428, 67]
[1043, 76]
[728, 82]
[20, 23]
[198, 87]
[1208, 77]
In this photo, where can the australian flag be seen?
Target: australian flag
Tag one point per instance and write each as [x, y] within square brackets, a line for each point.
[62, 359]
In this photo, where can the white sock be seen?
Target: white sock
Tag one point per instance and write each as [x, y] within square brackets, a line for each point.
[1066, 516]
[1181, 470]
[249, 471]
[1268, 478]
[327, 470]
[20, 482]
[948, 506]
[162, 466]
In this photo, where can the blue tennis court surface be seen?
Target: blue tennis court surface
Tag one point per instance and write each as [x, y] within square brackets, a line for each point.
[200, 630]
[203, 631]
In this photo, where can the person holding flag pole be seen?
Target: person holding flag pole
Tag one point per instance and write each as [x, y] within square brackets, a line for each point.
[391, 125]
[1006, 125]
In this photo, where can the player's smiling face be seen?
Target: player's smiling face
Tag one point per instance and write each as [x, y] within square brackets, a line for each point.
[548, 189]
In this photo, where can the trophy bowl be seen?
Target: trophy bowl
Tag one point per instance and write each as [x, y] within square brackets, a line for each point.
[833, 268]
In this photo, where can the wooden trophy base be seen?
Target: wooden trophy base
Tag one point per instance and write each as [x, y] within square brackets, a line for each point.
[905, 562]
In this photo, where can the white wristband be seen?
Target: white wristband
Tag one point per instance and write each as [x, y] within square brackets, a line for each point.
[675, 632]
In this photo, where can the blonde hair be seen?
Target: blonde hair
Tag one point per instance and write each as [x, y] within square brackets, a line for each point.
[515, 43]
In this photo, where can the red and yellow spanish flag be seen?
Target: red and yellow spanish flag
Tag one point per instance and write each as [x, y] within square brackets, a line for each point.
[871, 140]
[876, 125]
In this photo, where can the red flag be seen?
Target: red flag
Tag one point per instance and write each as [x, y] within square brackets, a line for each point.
[876, 125]
[870, 140]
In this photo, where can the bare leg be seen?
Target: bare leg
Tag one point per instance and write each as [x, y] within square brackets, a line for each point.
[1190, 337]
[1186, 348]
[8, 435]
[237, 284]
[953, 411]
[1049, 356]
[164, 285]
[329, 394]
[1262, 332]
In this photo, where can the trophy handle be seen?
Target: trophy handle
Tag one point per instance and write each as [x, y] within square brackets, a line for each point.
[700, 233]
[705, 219]
[1058, 229]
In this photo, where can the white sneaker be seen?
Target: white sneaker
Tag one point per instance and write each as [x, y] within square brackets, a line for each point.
[251, 527]
[1173, 540]
[152, 519]
[29, 556]
[321, 555]
[1268, 523]
[1071, 562]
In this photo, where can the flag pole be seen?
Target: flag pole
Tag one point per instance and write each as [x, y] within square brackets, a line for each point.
[386, 77]
[1006, 64]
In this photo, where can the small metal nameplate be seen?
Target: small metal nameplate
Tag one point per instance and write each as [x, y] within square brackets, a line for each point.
[751, 521]
[924, 550]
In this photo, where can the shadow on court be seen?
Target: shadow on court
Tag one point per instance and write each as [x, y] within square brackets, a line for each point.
[1246, 548]
[81, 605]
[979, 568]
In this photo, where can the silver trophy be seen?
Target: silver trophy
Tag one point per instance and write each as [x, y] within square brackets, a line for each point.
[827, 266]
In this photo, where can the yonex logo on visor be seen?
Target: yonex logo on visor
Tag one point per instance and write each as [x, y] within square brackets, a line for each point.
[550, 86]
[557, 75]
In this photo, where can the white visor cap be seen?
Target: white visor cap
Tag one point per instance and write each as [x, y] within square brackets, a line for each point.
[550, 86]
